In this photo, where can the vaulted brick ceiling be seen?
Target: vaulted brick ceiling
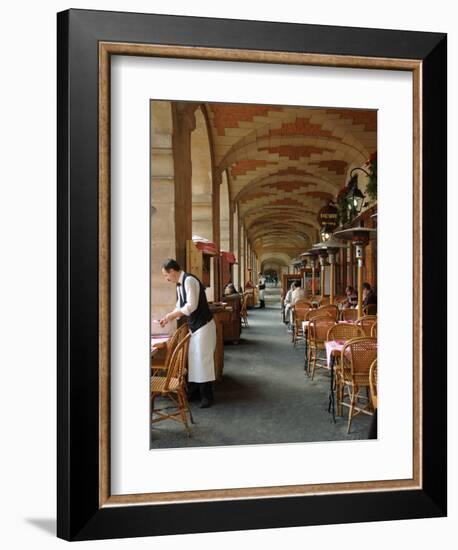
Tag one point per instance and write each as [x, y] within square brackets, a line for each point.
[285, 163]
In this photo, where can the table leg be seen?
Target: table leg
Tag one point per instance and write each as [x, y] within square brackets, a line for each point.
[331, 404]
[306, 366]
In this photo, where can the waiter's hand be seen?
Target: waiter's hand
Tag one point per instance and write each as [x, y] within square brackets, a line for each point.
[169, 317]
[163, 321]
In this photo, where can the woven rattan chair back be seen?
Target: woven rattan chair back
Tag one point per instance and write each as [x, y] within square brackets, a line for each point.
[374, 330]
[300, 312]
[361, 352]
[314, 313]
[176, 338]
[303, 304]
[357, 356]
[366, 323]
[319, 328]
[349, 314]
[178, 362]
[298, 315]
[344, 331]
[331, 310]
[373, 382]
[318, 332]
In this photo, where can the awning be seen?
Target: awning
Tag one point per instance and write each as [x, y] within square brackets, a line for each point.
[229, 257]
[205, 246]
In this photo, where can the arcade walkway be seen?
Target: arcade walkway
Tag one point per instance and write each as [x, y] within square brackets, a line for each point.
[264, 395]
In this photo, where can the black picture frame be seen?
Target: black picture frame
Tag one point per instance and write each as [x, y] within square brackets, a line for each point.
[80, 516]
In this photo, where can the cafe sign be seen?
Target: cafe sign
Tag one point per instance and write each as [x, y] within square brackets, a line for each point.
[328, 217]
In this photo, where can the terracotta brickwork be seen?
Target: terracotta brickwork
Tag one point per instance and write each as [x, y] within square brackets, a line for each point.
[281, 164]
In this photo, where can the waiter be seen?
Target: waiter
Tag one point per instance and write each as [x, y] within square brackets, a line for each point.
[262, 290]
[192, 303]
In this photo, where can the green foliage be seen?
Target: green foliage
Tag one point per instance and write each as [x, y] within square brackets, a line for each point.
[372, 183]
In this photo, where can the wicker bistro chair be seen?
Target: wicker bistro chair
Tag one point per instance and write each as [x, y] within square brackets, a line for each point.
[298, 315]
[373, 383]
[370, 309]
[244, 311]
[176, 338]
[374, 330]
[349, 314]
[353, 373]
[343, 332]
[303, 304]
[366, 323]
[339, 299]
[173, 386]
[323, 301]
[318, 334]
[331, 310]
[309, 316]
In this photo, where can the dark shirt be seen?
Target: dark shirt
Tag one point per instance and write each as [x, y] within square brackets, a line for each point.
[202, 315]
[371, 298]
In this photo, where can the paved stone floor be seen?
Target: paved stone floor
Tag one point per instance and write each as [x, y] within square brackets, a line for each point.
[264, 395]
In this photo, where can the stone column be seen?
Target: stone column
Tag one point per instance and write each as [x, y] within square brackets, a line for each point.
[242, 256]
[239, 253]
[231, 229]
[184, 122]
[163, 294]
[216, 230]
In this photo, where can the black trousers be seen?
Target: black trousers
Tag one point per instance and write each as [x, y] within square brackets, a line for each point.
[202, 390]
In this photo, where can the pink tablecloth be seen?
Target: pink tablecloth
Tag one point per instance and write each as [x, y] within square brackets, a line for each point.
[333, 346]
[158, 341]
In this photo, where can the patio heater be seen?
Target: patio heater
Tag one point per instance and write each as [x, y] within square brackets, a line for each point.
[330, 248]
[359, 236]
[309, 259]
[321, 254]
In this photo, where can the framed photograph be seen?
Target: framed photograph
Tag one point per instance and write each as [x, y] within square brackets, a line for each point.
[242, 176]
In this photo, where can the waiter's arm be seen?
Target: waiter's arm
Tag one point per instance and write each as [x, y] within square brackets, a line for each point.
[192, 300]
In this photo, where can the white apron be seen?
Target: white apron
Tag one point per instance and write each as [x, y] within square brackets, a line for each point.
[201, 356]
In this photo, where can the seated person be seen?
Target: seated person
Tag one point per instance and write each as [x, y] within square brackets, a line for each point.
[369, 296]
[298, 293]
[352, 297]
[287, 303]
[230, 289]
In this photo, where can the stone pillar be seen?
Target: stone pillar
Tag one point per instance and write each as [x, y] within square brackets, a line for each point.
[216, 230]
[239, 253]
[231, 230]
[184, 122]
[242, 256]
[163, 296]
